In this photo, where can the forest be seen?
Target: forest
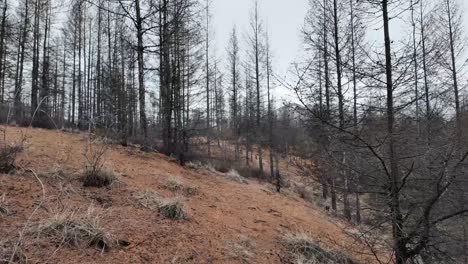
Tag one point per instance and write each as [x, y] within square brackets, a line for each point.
[376, 114]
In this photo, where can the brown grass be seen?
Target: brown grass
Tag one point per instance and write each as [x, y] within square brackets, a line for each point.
[302, 249]
[242, 249]
[75, 229]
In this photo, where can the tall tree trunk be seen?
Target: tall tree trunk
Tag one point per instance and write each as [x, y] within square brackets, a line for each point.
[2, 49]
[20, 66]
[35, 57]
[454, 70]
[141, 69]
[426, 83]
[257, 85]
[416, 68]
[399, 246]
[207, 68]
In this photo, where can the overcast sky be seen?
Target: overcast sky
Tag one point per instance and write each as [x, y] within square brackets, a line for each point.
[284, 19]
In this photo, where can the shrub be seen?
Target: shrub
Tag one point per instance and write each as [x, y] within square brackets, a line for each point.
[303, 192]
[98, 178]
[242, 249]
[73, 229]
[9, 253]
[8, 155]
[303, 249]
[173, 209]
[222, 166]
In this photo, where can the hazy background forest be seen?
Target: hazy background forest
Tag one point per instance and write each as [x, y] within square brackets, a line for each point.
[370, 97]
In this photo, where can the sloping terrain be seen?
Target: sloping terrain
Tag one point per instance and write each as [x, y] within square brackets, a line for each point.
[220, 213]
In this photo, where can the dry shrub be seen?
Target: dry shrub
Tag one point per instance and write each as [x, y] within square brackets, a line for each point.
[304, 192]
[10, 254]
[76, 229]
[98, 178]
[302, 249]
[95, 175]
[222, 166]
[173, 209]
[242, 249]
[8, 155]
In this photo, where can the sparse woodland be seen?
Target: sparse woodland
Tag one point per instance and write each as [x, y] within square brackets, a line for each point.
[377, 116]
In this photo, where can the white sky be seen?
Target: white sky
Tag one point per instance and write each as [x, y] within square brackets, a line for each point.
[284, 19]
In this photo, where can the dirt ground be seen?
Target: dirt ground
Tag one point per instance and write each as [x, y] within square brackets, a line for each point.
[221, 211]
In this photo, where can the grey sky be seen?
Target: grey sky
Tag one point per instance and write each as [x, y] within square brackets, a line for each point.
[284, 19]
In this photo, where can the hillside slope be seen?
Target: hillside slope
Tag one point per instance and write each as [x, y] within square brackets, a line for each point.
[220, 213]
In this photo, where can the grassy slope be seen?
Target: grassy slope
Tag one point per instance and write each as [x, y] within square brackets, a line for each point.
[222, 211]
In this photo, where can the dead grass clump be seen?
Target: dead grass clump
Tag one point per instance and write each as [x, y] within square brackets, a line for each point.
[173, 209]
[8, 155]
[76, 229]
[98, 178]
[304, 250]
[169, 208]
[149, 199]
[56, 174]
[242, 249]
[3, 208]
[252, 172]
[11, 254]
[235, 176]
[191, 190]
[195, 165]
[174, 185]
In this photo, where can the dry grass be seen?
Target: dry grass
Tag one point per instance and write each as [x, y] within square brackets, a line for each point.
[174, 185]
[149, 199]
[169, 208]
[75, 229]
[235, 176]
[242, 249]
[191, 190]
[56, 174]
[173, 209]
[194, 165]
[3, 207]
[99, 178]
[302, 249]
[9, 255]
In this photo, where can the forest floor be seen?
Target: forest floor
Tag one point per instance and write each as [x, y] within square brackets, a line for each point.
[221, 213]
